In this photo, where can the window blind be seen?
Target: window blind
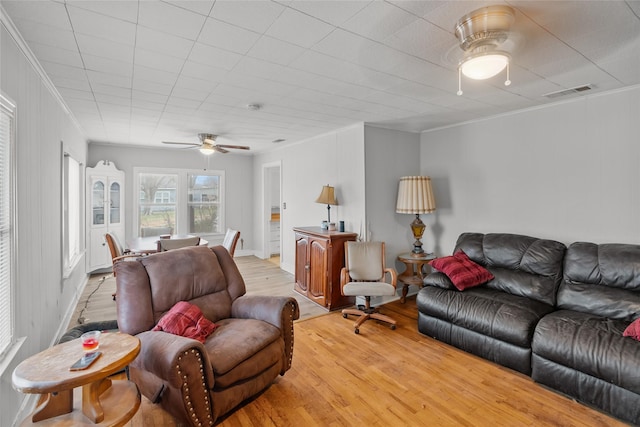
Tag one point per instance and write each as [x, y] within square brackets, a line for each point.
[7, 123]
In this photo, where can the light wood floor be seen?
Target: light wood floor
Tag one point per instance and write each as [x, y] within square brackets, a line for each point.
[390, 378]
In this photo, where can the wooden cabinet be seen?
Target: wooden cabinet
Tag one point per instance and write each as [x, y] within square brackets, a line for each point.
[319, 259]
[105, 212]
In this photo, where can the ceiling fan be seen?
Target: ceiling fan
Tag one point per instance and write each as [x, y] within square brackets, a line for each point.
[208, 144]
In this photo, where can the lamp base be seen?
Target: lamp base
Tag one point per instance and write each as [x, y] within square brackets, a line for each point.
[417, 228]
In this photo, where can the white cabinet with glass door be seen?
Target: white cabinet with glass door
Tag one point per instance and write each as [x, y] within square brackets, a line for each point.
[105, 212]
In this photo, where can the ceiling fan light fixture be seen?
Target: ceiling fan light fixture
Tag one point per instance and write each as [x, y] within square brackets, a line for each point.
[481, 33]
[207, 151]
[484, 66]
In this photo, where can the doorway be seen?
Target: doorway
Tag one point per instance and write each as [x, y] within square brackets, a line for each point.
[271, 211]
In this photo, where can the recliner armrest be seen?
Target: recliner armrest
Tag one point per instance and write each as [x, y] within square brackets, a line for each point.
[271, 309]
[162, 354]
[278, 311]
[439, 280]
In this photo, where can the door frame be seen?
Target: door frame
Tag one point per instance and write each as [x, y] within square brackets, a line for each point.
[266, 206]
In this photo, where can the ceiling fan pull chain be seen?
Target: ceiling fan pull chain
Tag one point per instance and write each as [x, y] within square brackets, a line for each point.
[460, 82]
[507, 82]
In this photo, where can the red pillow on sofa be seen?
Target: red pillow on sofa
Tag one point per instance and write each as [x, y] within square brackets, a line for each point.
[187, 320]
[462, 272]
[633, 330]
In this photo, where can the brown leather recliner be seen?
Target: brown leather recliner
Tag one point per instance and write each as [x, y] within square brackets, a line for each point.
[197, 382]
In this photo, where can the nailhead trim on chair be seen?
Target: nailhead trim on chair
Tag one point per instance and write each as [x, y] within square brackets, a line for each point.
[292, 336]
[185, 388]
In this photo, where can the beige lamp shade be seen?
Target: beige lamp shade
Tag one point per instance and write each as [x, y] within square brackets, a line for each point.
[327, 196]
[415, 195]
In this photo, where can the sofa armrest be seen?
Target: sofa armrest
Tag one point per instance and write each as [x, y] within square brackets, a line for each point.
[439, 280]
[170, 358]
[278, 311]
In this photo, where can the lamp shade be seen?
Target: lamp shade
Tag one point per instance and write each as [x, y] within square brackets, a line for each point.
[415, 195]
[327, 196]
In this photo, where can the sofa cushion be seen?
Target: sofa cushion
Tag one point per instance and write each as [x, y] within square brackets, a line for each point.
[522, 265]
[186, 320]
[462, 272]
[240, 349]
[633, 330]
[602, 279]
[499, 315]
[590, 344]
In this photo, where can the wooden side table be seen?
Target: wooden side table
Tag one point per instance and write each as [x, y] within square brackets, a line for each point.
[104, 402]
[413, 273]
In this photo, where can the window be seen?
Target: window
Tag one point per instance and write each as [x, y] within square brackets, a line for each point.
[182, 201]
[71, 227]
[7, 140]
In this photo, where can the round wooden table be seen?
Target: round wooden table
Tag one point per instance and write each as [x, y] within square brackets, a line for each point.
[413, 273]
[103, 402]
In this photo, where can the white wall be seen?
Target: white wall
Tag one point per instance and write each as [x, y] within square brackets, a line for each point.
[569, 172]
[238, 180]
[335, 159]
[390, 155]
[44, 302]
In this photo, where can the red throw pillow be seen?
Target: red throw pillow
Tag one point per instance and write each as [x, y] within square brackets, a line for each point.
[187, 320]
[633, 330]
[462, 272]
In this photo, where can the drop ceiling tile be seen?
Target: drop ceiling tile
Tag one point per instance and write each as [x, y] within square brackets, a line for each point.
[197, 85]
[112, 99]
[49, 13]
[47, 35]
[68, 93]
[170, 19]
[108, 79]
[57, 55]
[379, 20]
[213, 56]
[112, 90]
[60, 70]
[204, 72]
[155, 98]
[123, 10]
[274, 50]
[154, 75]
[296, 27]
[106, 65]
[226, 36]
[141, 85]
[139, 103]
[158, 61]
[426, 41]
[102, 26]
[195, 95]
[78, 82]
[106, 48]
[333, 12]
[256, 16]
[201, 7]
[166, 44]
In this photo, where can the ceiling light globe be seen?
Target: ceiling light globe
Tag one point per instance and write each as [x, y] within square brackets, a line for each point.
[484, 66]
[206, 151]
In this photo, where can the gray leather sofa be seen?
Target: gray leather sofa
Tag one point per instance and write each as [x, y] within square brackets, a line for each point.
[555, 313]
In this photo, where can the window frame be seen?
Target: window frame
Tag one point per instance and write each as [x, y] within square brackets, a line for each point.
[8, 344]
[71, 210]
[181, 198]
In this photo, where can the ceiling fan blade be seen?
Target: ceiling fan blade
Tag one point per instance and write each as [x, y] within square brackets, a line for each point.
[219, 149]
[181, 143]
[237, 147]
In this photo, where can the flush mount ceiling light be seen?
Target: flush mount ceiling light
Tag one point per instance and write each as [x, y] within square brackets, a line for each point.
[481, 33]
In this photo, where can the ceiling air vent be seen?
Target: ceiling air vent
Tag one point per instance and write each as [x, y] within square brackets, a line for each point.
[569, 91]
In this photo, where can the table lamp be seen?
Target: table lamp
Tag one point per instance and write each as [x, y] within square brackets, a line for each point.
[327, 197]
[415, 196]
